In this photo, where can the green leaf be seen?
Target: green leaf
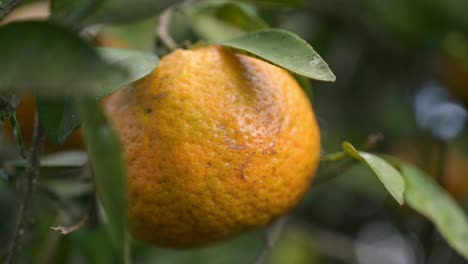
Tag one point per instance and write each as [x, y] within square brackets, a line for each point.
[137, 64]
[109, 171]
[290, 3]
[48, 60]
[81, 13]
[388, 175]
[429, 199]
[60, 116]
[138, 35]
[122, 11]
[69, 12]
[236, 13]
[210, 28]
[286, 50]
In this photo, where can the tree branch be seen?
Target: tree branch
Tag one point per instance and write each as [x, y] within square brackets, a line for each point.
[330, 174]
[164, 24]
[6, 8]
[31, 173]
[65, 230]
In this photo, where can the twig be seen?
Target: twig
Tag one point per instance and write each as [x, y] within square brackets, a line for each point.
[271, 237]
[8, 7]
[31, 173]
[371, 142]
[67, 230]
[335, 172]
[164, 24]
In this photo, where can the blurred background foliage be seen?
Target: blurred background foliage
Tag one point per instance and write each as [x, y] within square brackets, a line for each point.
[402, 71]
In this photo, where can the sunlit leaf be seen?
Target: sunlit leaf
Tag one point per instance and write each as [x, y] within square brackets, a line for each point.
[284, 49]
[47, 60]
[109, 171]
[429, 199]
[388, 175]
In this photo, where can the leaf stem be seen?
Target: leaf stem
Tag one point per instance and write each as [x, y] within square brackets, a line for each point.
[65, 230]
[31, 174]
[163, 29]
[371, 142]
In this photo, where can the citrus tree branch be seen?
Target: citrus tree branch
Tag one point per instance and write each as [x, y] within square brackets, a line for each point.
[8, 6]
[330, 174]
[31, 173]
[164, 24]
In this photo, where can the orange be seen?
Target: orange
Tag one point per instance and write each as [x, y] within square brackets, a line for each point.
[25, 114]
[215, 143]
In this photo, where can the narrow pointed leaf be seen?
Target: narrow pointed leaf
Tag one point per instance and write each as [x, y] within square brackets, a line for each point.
[428, 198]
[60, 64]
[109, 171]
[388, 175]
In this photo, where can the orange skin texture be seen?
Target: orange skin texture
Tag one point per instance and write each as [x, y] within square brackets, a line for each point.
[25, 114]
[215, 143]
